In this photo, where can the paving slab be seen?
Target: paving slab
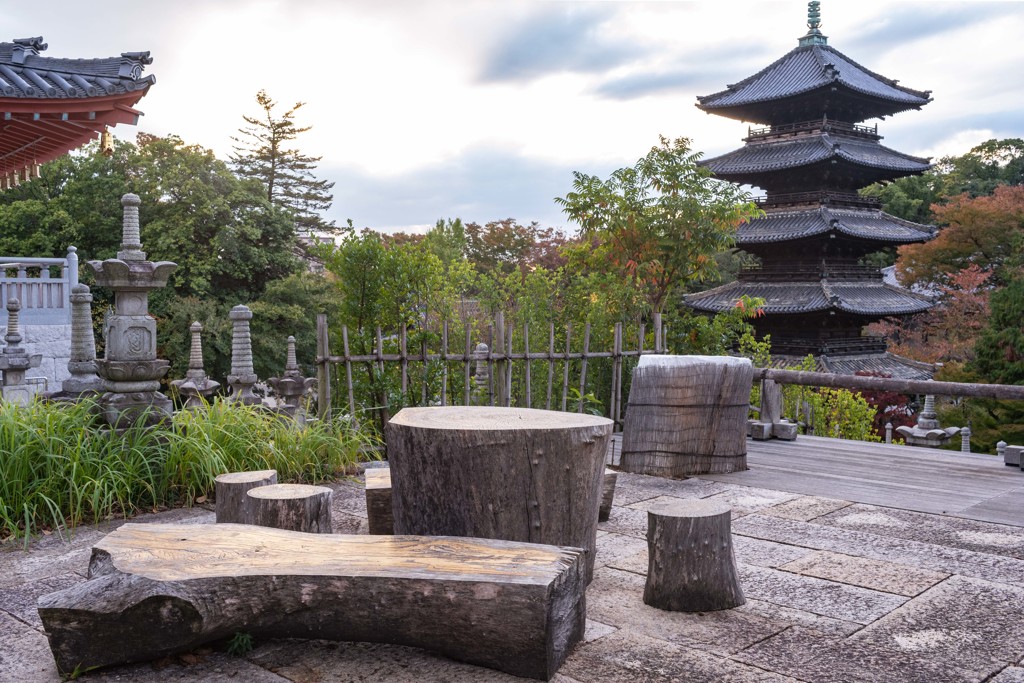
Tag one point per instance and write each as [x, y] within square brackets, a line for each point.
[626, 521]
[763, 553]
[812, 656]
[661, 486]
[203, 665]
[836, 628]
[817, 596]
[878, 575]
[745, 499]
[20, 601]
[626, 657]
[24, 653]
[805, 508]
[973, 622]
[954, 532]
[615, 549]
[616, 598]
[1011, 674]
[873, 546]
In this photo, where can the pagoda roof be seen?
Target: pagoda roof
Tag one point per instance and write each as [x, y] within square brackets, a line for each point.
[756, 158]
[865, 224]
[810, 71]
[52, 105]
[859, 297]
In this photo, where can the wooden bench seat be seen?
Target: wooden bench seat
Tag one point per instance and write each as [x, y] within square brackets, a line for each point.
[159, 589]
[381, 518]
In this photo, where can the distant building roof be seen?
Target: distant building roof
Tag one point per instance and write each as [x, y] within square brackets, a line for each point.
[886, 363]
[805, 77]
[860, 297]
[51, 105]
[748, 163]
[866, 224]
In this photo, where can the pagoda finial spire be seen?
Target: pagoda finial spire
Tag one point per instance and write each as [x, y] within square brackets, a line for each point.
[814, 35]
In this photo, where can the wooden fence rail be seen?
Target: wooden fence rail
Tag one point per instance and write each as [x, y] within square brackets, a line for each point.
[900, 386]
[491, 362]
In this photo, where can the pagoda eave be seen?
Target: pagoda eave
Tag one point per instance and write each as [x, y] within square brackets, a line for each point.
[870, 299]
[869, 225]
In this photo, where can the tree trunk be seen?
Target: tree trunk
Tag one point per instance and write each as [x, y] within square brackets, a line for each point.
[691, 565]
[294, 507]
[511, 473]
[687, 415]
[159, 589]
[230, 490]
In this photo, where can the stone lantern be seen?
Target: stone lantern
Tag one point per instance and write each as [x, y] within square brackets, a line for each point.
[130, 370]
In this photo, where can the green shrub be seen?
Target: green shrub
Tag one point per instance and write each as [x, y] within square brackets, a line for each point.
[61, 466]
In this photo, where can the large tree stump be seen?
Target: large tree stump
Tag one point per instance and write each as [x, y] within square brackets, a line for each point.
[687, 415]
[378, 501]
[510, 473]
[295, 507]
[691, 566]
[158, 589]
[230, 489]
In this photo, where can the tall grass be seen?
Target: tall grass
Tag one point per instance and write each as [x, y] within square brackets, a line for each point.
[61, 466]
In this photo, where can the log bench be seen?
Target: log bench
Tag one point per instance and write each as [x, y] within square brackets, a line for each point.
[378, 499]
[160, 589]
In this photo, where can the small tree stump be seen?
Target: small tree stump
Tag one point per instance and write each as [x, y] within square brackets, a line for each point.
[293, 507]
[691, 564]
[230, 490]
[378, 501]
[687, 415]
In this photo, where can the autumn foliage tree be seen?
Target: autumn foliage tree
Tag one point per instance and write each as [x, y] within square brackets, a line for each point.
[658, 223]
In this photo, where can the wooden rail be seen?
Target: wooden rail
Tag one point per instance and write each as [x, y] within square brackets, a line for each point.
[900, 386]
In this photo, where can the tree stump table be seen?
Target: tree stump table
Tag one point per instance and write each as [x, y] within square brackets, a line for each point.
[230, 490]
[514, 474]
[687, 415]
[691, 566]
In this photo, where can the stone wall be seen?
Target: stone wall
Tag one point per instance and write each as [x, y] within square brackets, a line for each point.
[53, 342]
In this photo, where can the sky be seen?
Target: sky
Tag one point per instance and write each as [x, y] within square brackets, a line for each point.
[482, 109]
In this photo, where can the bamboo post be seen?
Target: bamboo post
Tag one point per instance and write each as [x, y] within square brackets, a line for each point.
[500, 366]
[583, 366]
[466, 359]
[565, 367]
[551, 364]
[490, 365]
[616, 395]
[403, 360]
[385, 411]
[526, 376]
[423, 360]
[323, 371]
[444, 363]
[348, 372]
[657, 333]
[508, 370]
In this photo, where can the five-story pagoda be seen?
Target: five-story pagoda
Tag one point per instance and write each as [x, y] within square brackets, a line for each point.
[811, 155]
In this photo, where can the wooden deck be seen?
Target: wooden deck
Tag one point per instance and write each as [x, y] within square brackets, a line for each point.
[965, 485]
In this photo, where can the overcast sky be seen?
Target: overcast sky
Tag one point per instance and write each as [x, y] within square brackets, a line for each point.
[427, 109]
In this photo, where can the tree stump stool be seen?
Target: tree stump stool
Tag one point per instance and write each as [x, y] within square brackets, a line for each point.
[293, 507]
[230, 489]
[687, 415]
[691, 565]
[378, 501]
[514, 474]
[607, 494]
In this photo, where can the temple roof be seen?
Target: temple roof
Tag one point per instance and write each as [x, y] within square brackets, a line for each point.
[748, 163]
[51, 105]
[797, 86]
[866, 224]
[886, 363]
[859, 297]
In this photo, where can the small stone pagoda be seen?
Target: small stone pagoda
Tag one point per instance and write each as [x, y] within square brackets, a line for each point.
[811, 152]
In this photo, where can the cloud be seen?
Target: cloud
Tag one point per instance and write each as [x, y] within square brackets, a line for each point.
[951, 136]
[567, 39]
[481, 185]
[911, 22]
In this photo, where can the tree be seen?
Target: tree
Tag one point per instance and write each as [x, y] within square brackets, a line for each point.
[987, 231]
[265, 154]
[659, 223]
[1000, 348]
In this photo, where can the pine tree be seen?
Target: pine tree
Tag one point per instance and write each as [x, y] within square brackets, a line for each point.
[264, 153]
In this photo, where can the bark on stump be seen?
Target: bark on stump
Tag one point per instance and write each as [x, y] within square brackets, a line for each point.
[510, 473]
[160, 589]
[691, 565]
[294, 507]
[687, 415]
[230, 489]
[378, 501]
[607, 494]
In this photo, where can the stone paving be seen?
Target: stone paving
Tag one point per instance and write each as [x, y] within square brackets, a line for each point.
[836, 591]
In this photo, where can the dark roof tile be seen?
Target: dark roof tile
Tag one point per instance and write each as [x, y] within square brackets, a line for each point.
[26, 74]
[869, 224]
[863, 297]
